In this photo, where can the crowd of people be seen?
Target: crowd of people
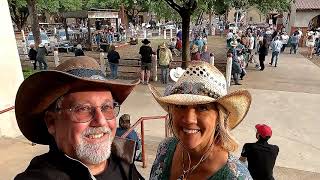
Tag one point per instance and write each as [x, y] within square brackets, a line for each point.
[242, 45]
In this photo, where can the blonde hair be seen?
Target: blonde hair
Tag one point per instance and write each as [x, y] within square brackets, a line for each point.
[112, 47]
[222, 135]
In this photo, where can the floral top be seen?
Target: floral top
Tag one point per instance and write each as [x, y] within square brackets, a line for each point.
[232, 170]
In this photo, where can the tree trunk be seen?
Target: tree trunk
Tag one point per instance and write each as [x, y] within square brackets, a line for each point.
[186, 18]
[65, 25]
[210, 23]
[89, 41]
[34, 21]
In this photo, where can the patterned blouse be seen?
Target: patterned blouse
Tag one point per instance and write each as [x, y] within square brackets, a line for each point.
[232, 170]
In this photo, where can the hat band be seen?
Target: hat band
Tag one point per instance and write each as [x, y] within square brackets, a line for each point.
[88, 73]
[191, 88]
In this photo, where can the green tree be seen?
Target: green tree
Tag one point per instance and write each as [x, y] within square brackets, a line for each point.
[19, 12]
[185, 9]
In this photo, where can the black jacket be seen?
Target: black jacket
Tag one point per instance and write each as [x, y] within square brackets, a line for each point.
[56, 165]
[32, 54]
[113, 57]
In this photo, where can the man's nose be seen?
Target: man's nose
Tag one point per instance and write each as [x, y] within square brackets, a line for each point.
[98, 118]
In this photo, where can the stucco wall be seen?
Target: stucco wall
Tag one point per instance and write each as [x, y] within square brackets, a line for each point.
[251, 13]
[10, 73]
[304, 17]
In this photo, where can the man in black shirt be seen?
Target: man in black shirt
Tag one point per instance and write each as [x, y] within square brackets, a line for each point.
[32, 56]
[261, 156]
[146, 61]
[76, 118]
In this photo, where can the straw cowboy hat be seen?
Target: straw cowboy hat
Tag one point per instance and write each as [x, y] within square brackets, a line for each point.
[162, 45]
[43, 88]
[202, 83]
[194, 48]
[145, 41]
[176, 73]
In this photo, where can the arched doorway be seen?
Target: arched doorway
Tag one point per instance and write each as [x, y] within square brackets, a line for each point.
[314, 22]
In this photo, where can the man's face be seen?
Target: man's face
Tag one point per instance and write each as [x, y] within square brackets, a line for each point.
[89, 142]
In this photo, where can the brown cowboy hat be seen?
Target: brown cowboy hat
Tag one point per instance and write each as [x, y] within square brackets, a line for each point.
[43, 88]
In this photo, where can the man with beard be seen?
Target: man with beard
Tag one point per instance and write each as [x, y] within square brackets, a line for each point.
[75, 114]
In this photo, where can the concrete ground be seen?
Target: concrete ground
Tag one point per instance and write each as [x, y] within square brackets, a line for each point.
[286, 97]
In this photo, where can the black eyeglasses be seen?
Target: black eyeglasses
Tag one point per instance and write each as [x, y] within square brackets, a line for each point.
[85, 113]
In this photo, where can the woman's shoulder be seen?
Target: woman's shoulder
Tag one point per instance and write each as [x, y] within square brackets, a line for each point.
[237, 169]
[161, 165]
[167, 142]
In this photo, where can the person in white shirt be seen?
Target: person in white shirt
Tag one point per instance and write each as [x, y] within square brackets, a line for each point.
[310, 42]
[251, 47]
[284, 39]
[276, 46]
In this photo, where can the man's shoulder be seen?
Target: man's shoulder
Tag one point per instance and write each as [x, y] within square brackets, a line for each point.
[41, 168]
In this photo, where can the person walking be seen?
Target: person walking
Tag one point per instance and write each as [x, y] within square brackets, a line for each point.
[165, 57]
[146, 61]
[310, 42]
[294, 43]
[284, 40]
[113, 59]
[33, 56]
[79, 51]
[41, 57]
[236, 68]
[260, 151]
[263, 51]
[276, 48]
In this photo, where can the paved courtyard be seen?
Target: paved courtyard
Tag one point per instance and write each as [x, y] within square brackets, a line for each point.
[286, 97]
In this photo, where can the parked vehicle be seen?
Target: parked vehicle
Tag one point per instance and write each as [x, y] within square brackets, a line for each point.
[61, 34]
[44, 40]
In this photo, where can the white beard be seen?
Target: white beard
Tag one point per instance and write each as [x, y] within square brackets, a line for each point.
[94, 153]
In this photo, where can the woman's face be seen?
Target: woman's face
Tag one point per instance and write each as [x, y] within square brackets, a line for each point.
[194, 125]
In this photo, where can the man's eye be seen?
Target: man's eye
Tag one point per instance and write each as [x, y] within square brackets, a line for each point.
[106, 107]
[82, 109]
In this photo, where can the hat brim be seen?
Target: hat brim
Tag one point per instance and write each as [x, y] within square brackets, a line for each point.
[41, 89]
[173, 77]
[236, 103]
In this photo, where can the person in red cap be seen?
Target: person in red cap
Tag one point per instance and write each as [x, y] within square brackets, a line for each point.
[261, 155]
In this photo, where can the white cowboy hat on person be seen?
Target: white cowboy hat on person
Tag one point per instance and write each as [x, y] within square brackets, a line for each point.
[41, 45]
[202, 83]
[176, 73]
[234, 43]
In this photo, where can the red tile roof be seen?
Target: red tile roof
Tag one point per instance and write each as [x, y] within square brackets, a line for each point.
[308, 4]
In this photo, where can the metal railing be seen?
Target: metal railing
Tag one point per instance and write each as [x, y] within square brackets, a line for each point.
[141, 122]
[7, 109]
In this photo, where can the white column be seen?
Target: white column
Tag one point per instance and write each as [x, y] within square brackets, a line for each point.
[228, 71]
[170, 33]
[10, 73]
[102, 63]
[144, 34]
[212, 60]
[165, 34]
[56, 57]
[159, 31]
[154, 68]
